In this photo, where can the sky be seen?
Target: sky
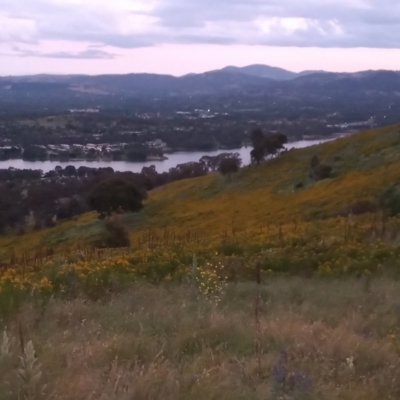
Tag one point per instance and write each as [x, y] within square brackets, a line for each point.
[183, 36]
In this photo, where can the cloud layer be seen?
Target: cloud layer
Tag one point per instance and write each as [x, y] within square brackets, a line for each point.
[125, 24]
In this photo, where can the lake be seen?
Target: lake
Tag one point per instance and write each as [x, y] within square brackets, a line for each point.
[162, 166]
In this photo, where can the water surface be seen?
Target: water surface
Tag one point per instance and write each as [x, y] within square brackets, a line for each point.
[162, 166]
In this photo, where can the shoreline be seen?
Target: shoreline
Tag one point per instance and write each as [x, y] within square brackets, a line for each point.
[179, 151]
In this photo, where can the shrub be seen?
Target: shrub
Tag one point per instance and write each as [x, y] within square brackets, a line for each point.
[115, 235]
[230, 248]
[358, 208]
[322, 171]
[319, 171]
[299, 185]
[389, 200]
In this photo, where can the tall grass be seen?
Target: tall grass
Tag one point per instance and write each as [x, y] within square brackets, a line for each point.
[319, 339]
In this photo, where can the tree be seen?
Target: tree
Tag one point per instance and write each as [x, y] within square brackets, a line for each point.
[257, 138]
[33, 153]
[70, 170]
[187, 170]
[258, 141]
[257, 155]
[229, 166]
[116, 195]
[274, 144]
[271, 145]
[212, 163]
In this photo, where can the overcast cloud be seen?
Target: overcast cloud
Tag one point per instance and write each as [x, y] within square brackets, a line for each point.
[119, 30]
[133, 24]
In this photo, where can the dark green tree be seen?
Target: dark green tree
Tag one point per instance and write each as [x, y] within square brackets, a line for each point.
[275, 144]
[229, 166]
[116, 195]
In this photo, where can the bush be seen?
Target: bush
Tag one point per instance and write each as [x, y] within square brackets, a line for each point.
[389, 200]
[231, 248]
[319, 171]
[299, 185]
[358, 208]
[115, 235]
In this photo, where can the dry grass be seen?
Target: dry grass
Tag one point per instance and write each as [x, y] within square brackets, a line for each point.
[328, 339]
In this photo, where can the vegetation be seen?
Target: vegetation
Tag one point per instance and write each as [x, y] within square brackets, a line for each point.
[249, 288]
[31, 198]
[116, 195]
[319, 339]
[266, 146]
[115, 235]
[229, 166]
[319, 171]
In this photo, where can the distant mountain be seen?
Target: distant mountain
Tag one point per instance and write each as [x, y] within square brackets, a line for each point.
[247, 87]
[266, 71]
[330, 83]
[141, 85]
[263, 71]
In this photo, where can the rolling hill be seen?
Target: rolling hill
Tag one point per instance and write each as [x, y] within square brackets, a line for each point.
[313, 95]
[266, 71]
[258, 79]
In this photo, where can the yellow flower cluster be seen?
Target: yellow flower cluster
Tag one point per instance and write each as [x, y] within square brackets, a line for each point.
[334, 246]
[211, 280]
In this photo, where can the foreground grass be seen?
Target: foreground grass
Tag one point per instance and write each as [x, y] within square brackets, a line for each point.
[319, 339]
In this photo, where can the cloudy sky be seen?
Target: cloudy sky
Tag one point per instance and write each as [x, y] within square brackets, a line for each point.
[182, 36]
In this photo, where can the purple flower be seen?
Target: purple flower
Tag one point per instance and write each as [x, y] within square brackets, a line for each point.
[279, 372]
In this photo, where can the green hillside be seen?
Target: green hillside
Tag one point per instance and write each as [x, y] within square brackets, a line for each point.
[247, 213]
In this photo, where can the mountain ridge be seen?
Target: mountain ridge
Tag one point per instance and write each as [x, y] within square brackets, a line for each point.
[226, 79]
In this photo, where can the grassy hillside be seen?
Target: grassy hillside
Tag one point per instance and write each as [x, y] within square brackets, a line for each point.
[363, 165]
[245, 288]
[272, 213]
[278, 192]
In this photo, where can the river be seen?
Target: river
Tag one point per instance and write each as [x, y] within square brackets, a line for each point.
[162, 166]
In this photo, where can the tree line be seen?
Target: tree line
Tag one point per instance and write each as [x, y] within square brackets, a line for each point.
[37, 199]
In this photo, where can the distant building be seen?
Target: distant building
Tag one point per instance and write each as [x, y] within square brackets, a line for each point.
[157, 144]
[87, 110]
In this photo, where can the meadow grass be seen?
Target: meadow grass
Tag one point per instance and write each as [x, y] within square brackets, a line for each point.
[319, 339]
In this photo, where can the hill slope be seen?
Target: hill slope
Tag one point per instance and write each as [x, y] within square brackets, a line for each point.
[363, 165]
[278, 192]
